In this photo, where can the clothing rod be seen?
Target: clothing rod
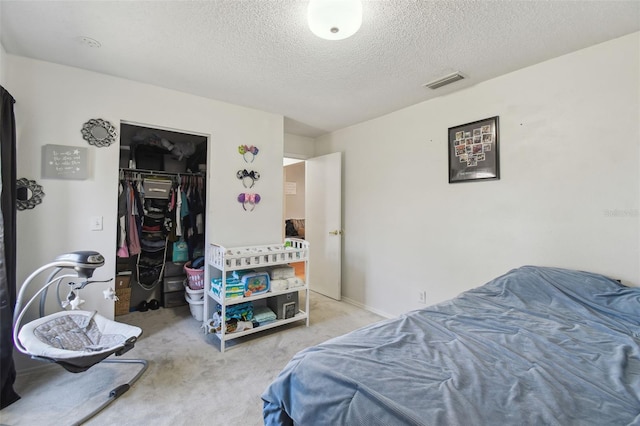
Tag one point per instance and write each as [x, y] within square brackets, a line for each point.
[158, 173]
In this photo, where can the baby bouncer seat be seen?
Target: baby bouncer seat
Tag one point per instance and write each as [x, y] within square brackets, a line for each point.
[74, 339]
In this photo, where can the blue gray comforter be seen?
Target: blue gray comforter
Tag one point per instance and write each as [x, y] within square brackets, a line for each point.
[536, 346]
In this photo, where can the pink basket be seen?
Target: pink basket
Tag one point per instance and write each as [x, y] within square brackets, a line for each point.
[195, 277]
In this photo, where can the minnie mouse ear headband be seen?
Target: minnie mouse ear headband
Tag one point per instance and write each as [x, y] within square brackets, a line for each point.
[248, 152]
[247, 177]
[249, 199]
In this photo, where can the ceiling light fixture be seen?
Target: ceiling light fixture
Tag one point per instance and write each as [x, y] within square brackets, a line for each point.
[334, 19]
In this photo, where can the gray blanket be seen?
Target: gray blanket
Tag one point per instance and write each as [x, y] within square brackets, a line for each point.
[537, 346]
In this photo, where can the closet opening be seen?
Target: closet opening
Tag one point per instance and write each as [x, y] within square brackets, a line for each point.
[161, 215]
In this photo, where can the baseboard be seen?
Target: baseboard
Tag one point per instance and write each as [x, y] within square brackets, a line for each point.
[367, 308]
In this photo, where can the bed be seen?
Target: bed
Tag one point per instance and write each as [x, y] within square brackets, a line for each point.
[536, 346]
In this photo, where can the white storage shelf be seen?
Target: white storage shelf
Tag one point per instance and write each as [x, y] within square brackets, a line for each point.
[225, 260]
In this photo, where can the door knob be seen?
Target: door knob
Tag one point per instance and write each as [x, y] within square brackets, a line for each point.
[337, 232]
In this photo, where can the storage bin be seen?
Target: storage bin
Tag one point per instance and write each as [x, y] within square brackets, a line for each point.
[173, 284]
[255, 283]
[123, 292]
[173, 299]
[174, 165]
[195, 276]
[284, 305]
[196, 307]
[125, 156]
[157, 188]
[174, 269]
[124, 300]
[191, 294]
[123, 281]
[149, 157]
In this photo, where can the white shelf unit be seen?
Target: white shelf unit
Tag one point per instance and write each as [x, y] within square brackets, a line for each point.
[221, 261]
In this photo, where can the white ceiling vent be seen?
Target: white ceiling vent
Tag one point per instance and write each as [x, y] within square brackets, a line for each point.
[444, 80]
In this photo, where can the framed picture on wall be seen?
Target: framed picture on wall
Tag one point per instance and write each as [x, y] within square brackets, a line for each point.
[473, 151]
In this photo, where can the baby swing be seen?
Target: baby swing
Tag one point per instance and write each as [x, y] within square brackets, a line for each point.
[75, 339]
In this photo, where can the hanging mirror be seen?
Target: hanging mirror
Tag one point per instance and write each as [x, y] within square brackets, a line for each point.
[29, 194]
[99, 132]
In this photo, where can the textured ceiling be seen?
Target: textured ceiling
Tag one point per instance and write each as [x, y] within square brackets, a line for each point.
[261, 54]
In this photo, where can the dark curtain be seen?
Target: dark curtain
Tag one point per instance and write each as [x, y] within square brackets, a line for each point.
[7, 246]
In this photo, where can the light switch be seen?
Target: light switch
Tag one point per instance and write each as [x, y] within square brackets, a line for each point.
[96, 223]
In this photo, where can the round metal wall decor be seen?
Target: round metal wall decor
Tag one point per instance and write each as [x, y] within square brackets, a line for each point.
[29, 194]
[99, 132]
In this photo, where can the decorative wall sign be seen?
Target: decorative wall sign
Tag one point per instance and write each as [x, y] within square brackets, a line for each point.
[290, 188]
[473, 151]
[99, 132]
[29, 194]
[64, 162]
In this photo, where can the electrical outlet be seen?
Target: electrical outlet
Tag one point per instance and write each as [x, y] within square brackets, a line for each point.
[422, 297]
[95, 224]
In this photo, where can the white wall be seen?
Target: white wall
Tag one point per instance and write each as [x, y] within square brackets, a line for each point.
[3, 54]
[300, 147]
[54, 101]
[568, 195]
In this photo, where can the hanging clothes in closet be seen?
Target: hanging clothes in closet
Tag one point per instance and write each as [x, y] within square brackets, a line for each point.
[189, 214]
[149, 206]
[130, 213]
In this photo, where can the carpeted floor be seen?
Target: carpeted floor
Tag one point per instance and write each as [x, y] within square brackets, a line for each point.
[188, 380]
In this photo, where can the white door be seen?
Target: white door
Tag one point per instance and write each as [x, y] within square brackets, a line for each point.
[323, 223]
